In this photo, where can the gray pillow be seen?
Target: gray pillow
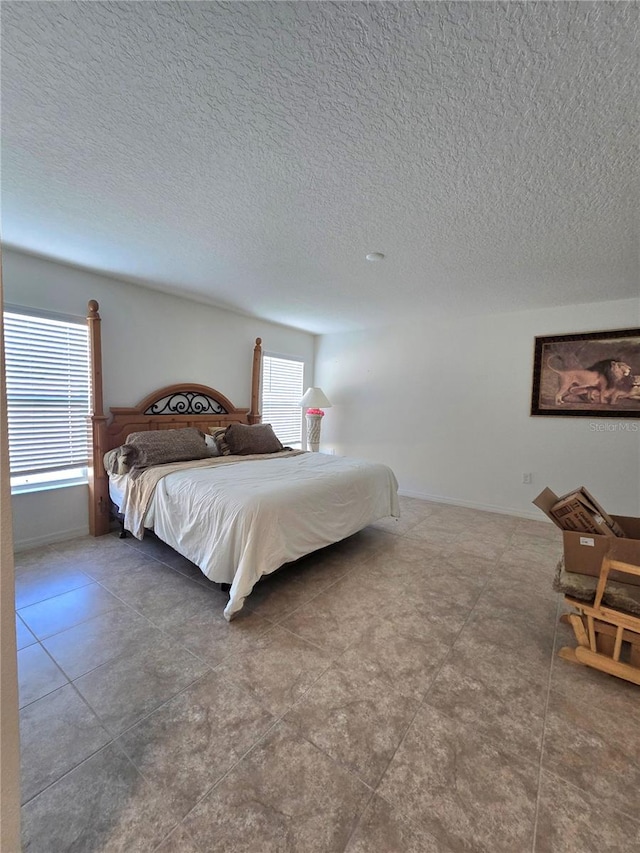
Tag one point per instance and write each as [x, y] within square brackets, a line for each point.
[244, 440]
[120, 459]
[158, 446]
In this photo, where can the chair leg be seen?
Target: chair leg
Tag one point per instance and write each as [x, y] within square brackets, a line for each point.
[605, 664]
[577, 624]
[569, 654]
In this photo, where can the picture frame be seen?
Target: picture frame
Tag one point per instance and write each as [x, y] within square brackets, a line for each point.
[589, 374]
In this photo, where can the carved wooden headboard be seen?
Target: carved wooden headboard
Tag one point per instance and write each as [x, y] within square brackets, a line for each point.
[173, 407]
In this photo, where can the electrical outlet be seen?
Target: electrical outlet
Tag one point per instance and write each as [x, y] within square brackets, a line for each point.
[527, 479]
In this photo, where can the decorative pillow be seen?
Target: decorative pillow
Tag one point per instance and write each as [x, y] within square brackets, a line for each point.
[244, 440]
[219, 433]
[158, 446]
[212, 447]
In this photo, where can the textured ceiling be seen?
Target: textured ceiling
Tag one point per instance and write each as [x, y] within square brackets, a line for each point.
[252, 154]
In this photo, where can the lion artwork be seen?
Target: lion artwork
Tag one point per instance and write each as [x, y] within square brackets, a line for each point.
[600, 381]
[628, 389]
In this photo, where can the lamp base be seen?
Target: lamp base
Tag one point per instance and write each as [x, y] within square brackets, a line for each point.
[313, 432]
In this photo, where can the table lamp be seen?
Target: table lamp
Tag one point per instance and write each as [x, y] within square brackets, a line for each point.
[314, 401]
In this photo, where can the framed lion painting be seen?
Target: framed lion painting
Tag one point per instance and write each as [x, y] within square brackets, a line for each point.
[595, 374]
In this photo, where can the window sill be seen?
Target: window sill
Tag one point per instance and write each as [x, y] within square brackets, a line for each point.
[48, 487]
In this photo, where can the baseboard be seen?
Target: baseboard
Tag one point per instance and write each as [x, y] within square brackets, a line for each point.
[535, 515]
[50, 538]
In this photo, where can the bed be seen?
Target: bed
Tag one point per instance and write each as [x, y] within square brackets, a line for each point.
[237, 517]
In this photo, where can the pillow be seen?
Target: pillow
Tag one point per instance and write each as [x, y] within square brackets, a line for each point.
[212, 447]
[158, 446]
[120, 459]
[244, 440]
[218, 433]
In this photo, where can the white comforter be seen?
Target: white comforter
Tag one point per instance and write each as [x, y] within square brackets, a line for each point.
[242, 520]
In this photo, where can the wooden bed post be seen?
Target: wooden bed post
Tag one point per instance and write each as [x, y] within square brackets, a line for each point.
[98, 484]
[254, 415]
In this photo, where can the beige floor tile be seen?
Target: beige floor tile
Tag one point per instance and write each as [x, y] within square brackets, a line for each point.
[572, 821]
[465, 565]
[82, 648]
[38, 674]
[434, 535]
[104, 567]
[384, 830]
[446, 583]
[285, 796]
[586, 686]
[426, 618]
[525, 579]
[278, 669]
[513, 604]
[276, 596]
[362, 545]
[321, 569]
[533, 550]
[336, 618]
[407, 551]
[397, 580]
[179, 841]
[483, 544]
[73, 733]
[188, 744]
[37, 558]
[595, 751]
[103, 805]
[127, 688]
[449, 607]
[537, 528]
[398, 526]
[155, 590]
[358, 722]
[391, 653]
[500, 626]
[42, 582]
[462, 788]
[203, 630]
[487, 688]
[63, 611]
[24, 637]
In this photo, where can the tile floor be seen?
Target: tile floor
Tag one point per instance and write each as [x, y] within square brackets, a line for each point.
[395, 693]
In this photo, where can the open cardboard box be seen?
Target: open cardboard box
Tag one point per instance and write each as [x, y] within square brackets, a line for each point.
[584, 551]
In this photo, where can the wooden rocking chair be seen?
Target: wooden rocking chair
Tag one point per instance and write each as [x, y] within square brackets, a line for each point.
[601, 631]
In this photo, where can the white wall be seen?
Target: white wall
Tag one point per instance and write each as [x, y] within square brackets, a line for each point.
[149, 339]
[446, 404]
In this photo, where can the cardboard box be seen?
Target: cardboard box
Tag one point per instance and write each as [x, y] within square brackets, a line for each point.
[584, 549]
[583, 553]
[578, 511]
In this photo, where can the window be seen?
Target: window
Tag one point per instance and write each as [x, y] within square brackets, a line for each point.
[282, 390]
[48, 392]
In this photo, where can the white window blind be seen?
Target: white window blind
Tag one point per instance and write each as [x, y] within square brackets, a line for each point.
[282, 390]
[48, 391]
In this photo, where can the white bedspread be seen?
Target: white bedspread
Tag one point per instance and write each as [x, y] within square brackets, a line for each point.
[243, 520]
